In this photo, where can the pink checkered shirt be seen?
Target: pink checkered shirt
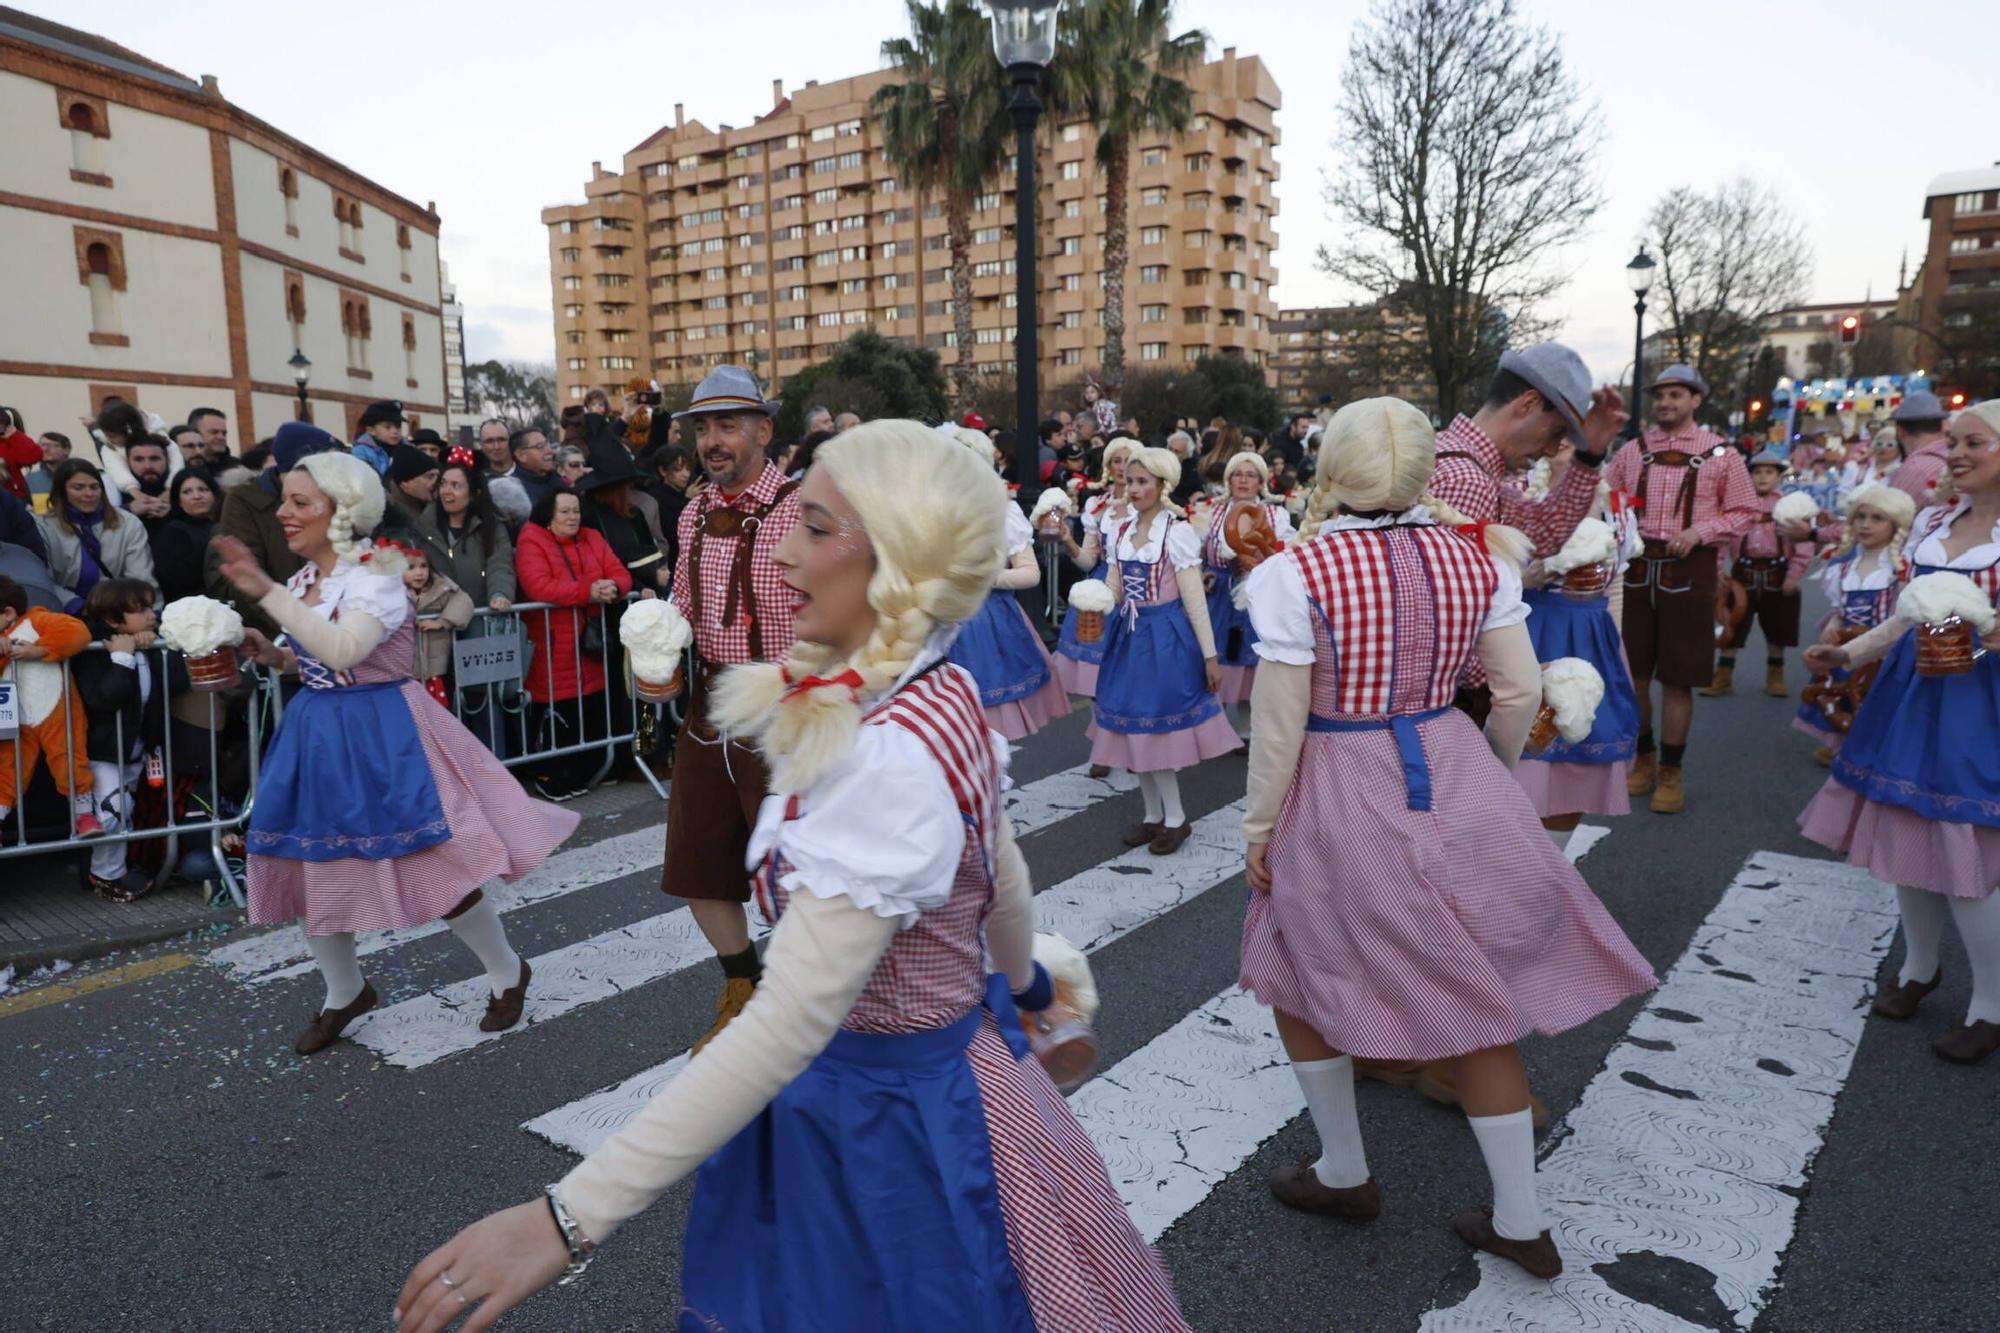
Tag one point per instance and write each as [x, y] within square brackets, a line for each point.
[728, 644]
[1478, 487]
[1724, 499]
[936, 969]
[1404, 605]
[1762, 542]
[1918, 475]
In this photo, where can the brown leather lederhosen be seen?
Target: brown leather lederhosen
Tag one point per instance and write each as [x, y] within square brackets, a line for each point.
[1669, 618]
[1775, 611]
[718, 785]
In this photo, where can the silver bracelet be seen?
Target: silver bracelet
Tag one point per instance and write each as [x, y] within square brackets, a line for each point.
[581, 1248]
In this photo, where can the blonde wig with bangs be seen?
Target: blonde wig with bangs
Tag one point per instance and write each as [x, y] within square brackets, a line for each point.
[934, 513]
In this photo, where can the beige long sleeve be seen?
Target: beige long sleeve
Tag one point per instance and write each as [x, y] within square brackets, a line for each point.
[1280, 700]
[1876, 642]
[1194, 597]
[1010, 926]
[340, 645]
[1021, 571]
[819, 960]
[1508, 655]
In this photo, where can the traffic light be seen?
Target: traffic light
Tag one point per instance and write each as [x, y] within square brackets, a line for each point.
[1756, 406]
[1957, 401]
[1850, 330]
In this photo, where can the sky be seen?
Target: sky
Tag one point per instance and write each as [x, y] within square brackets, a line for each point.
[496, 109]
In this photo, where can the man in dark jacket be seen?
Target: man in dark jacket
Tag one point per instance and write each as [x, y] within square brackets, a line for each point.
[534, 464]
[17, 525]
[250, 514]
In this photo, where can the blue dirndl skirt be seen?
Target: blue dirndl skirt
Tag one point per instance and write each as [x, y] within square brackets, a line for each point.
[1152, 679]
[1067, 644]
[998, 646]
[1926, 743]
[863, 1199]
[346, 777]
[1565, 627]
[1235, 641]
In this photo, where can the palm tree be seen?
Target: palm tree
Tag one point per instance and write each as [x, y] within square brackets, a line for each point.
[945, 130]
[1117, 67]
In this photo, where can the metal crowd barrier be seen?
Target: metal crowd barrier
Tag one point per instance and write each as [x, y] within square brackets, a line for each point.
[493, 661]
[220, 812]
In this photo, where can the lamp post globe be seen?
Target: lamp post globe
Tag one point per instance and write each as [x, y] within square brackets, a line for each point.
[302, 370]
[1639, 277]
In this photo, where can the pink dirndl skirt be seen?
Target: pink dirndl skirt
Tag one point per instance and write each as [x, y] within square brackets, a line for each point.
[1575, 789]
[1076, 677]
[497, 829]
[1236, 683]
[1900, 846]
[1021, 718]
[1403, 934]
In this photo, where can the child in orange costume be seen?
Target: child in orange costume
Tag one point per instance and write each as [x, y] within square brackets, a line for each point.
[50, 714]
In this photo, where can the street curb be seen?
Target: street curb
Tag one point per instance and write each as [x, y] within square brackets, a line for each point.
[32, 954]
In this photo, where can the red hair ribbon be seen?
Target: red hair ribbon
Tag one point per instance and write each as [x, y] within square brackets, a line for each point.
[390, 543]
[850, 678]
[462, 456]
[1476, 531]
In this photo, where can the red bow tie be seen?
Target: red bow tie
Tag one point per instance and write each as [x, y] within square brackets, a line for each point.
[850, 678]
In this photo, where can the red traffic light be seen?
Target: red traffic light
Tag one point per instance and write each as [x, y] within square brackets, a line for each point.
[1756, 406]
[1958, 400]
[1850, 328]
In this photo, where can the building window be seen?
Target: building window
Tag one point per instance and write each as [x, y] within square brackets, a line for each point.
[1153, 194]
[1964, 245]
[88, 125]
[1072, 133]
[1152, 351]
[403, 249]
[348, 214]
[1072, 282]
[288, 188]
[1071, 171]
[1152, 314]
[295, 307]
[1070, 356]
[571, 254]
[410, 351]
[1232, 282]
[986, 236]
[1072, 245]
[1153, 236]
[1958, 319]
[1152, 157]
[1072, 319]
[1197, 163]
[1198, 238]
[619, 362]
[355, 324]
[100, 257]
[574, 310]
[1969, 203]
[1152, 273]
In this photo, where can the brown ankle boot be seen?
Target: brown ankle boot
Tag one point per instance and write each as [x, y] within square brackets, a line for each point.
[1724, 682]
[1639, 778]
[1670, 796]
[1774, 681]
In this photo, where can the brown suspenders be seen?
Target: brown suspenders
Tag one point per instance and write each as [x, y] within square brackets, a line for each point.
[724, 521]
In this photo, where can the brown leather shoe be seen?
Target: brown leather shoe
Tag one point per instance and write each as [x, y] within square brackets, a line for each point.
[1538, 1257]
[504, 1010]
[1141, 834]
[1395, 1073]
[1298, 1187]
[1823, 756]
[1639, 778]
[1439, 1083]
[736, 993]
[328, 1024]
[1100, 771]
[1970, 1044]
[1774, 682]
[1670, 795]
[1169, 840]
[1900, 1001]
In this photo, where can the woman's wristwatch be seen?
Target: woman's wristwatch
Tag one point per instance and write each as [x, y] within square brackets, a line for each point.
[581, 1248]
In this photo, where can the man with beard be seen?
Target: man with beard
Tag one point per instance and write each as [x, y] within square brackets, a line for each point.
[147, 501]
[733, 593]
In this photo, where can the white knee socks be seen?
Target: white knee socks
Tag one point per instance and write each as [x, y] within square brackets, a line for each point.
[338, 966]
[1508, 1144]
[1329, 1089]
[1923, 931]
[1979, 926]
[478, 928]
[1149, 791]
[1169, 783]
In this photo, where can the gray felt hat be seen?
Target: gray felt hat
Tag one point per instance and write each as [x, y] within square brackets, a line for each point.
[1559, 376]
[728, 389]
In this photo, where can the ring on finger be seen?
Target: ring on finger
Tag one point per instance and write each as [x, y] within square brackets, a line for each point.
[445, 1277]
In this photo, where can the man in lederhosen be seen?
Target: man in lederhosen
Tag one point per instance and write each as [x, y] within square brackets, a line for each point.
[732, 593]
[1694, 494]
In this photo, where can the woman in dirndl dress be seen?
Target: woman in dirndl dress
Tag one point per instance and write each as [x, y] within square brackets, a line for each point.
[1861, 582]
[1405, 904]
[1244, 481]
[1077, 662]
[1575, 614]
[874, 1148]
[375, 808]
[998, 643]
[1156, 708]
[1915, 794]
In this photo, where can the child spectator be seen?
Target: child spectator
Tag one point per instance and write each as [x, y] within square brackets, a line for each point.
[442, 610]
[125, 700]
[49, 712]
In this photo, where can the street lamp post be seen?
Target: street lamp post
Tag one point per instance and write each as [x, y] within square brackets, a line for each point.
[1024, 38]
[302, 370]
[1639, 276]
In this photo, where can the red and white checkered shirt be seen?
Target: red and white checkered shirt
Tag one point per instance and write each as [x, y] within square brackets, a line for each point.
[1762, 542]
[1404, 605]
[1478, 487]
[728, 644]
[1724, 499]
[1919, 473]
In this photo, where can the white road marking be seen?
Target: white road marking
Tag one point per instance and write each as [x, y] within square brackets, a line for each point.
[277, 954]
[1585, 837]
[1102, 904]
[1692, 1142]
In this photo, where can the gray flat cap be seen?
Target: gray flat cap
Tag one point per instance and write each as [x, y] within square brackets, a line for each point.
[1559, 376]
[1770, 458]
[1683, 375]
[1919, 406]
[728, 389]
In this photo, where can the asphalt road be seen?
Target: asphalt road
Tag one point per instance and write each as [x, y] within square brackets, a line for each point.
[169, 1164]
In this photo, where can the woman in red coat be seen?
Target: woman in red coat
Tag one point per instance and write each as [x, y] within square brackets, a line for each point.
[564, 563]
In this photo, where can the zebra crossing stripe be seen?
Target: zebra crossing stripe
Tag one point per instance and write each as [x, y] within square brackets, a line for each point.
[1094, 908]
[1692, 1145]
[277, 954]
